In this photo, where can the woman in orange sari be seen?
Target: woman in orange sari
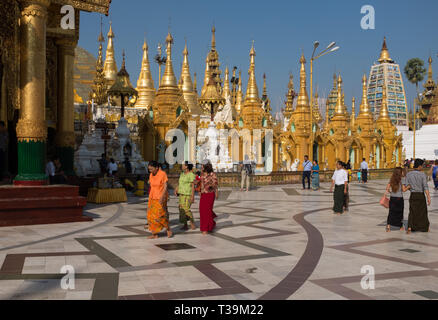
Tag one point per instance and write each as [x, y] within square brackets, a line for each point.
[157, 214]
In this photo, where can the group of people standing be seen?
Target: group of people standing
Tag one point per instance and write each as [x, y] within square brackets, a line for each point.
[416, 182]
[157, 213]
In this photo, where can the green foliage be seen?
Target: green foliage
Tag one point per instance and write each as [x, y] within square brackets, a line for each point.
[415, 71]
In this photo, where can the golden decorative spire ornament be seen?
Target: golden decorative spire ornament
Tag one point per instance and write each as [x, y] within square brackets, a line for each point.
[98, 93]
[327, 116]
[429, 83]
[168, 79]
[252, 92]
[239, 96]
[110, 67]
[353, 114]
[340, 110]
[384, 115]
[364, 107]
[195, 82]
[290, 96]
[212, 65]
[186, 84]
[303, 98]
[226, 91]
[145, 83]
[384, 54]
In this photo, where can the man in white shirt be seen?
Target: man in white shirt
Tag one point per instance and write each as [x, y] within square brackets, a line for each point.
[112, 167]
[340, 183]
[51, 170]
[364, 170]
[307, 168]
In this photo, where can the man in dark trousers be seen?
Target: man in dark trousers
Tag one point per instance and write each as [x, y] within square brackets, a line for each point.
[307, 168]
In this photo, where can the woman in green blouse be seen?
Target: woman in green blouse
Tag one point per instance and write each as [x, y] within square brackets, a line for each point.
[186, 192]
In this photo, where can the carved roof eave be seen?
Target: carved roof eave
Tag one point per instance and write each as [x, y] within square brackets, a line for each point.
[99, 6]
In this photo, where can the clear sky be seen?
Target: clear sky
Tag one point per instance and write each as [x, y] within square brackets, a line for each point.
[280, 29]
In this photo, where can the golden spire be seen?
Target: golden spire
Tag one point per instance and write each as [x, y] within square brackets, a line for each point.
[384, 115]
[226, 91]
[429, 84]
[187, 85]
[187, 88]
[168, 79]
[353, 114]
[303, 98]
[290, 96]
[239, 98]
[364, 107]
[384, 53]
[206, 76]
[145, 83]
[98, 93]
[110, 67]
[213, 37]
[265, 91]
[252, 92]
[195, 82]
[339, 110]
[327, 115]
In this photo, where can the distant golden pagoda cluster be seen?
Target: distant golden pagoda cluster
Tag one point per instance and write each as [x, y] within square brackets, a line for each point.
[337, 136]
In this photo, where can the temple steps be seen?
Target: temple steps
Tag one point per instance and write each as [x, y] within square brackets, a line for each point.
[41, 205]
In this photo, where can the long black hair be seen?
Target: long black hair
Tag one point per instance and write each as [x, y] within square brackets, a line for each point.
[154, 164]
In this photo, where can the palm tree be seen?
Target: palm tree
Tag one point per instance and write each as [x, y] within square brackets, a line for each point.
[415, 71]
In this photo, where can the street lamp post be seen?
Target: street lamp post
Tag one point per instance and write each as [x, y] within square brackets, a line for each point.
[160, 60]
[330, 48]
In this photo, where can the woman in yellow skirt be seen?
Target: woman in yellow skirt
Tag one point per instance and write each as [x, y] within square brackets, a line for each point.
[157, 214]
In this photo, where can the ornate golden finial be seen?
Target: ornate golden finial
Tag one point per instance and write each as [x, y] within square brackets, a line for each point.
[353, 114]
[384, 115]
[303, 98]
[252, 92]
[335, 81]
[101, 38]
[98, 93]
[339, 110]
[327, 116]
[207, 76]
[213, 37]
[187, 85]
[429, 83]
[384, 53]
[290, 85]
[226, 91]
[168, 79]
[265, 91]
[290, 96]
[364, 107]
[145, 83]
[110, 66]
[239, 97]
[195, 83]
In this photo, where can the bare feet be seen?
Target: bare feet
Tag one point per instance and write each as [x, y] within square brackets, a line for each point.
[192, 226]
[154, 236]
[169, 234]
[204, 233]
[402, 228]
[409, 231]
[388, 228]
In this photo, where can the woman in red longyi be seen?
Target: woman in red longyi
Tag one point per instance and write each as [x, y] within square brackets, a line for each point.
[209, 193]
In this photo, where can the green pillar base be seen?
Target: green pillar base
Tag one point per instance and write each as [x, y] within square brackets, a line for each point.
[66, 156]
[31, 163]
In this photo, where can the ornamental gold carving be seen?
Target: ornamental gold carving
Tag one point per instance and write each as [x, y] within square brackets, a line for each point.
[31, 130]
[35, 8]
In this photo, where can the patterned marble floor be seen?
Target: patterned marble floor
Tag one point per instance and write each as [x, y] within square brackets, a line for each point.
[274, 242]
